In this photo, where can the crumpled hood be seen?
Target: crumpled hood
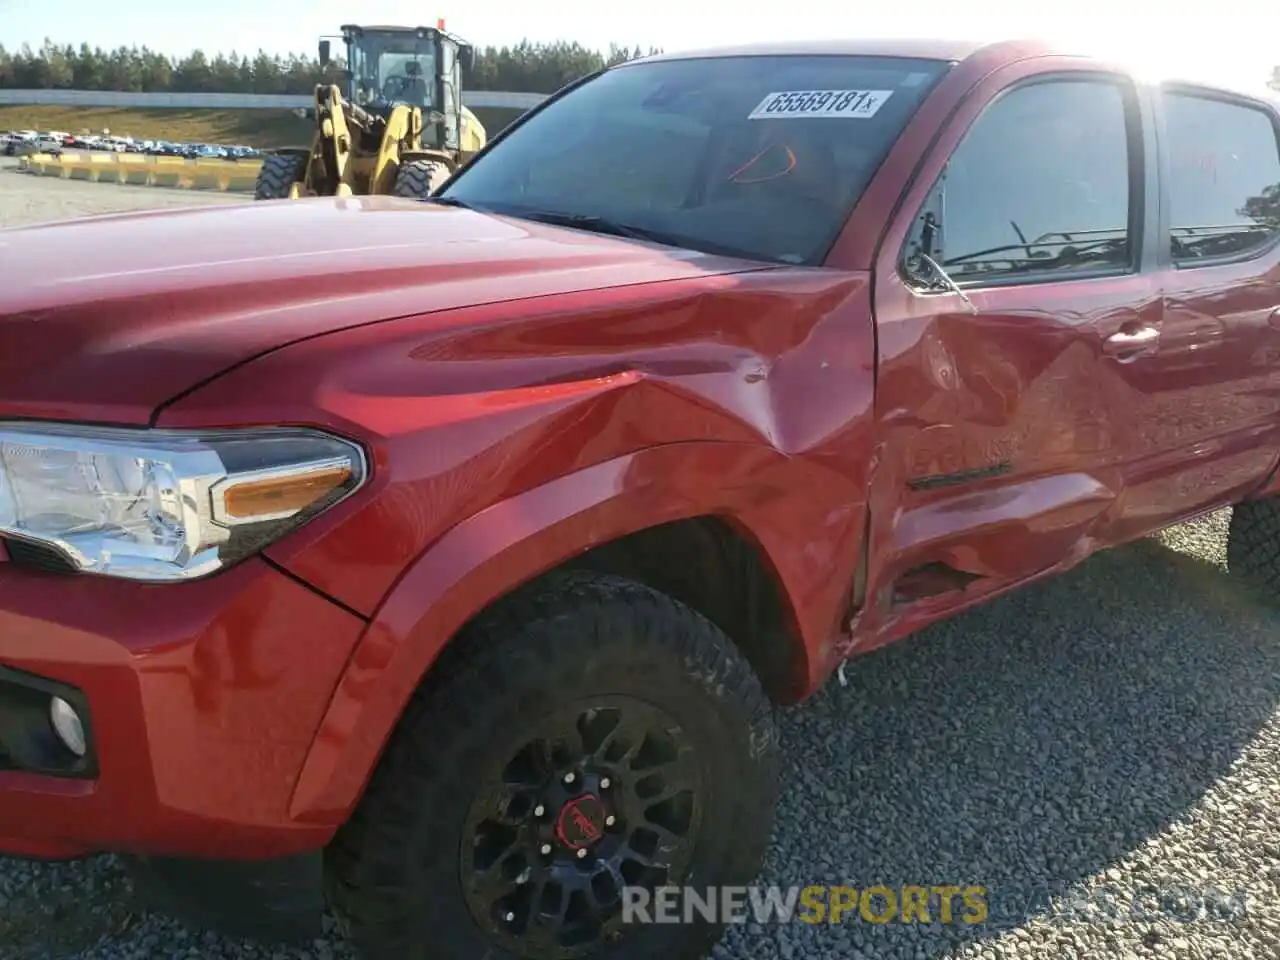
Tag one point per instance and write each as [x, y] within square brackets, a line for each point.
[108, 318]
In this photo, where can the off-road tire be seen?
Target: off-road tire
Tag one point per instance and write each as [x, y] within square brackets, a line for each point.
[392, 872]
[419, 179]
[279, 172]
[1253, 547]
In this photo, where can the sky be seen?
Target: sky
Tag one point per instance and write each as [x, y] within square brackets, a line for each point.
[1219, 41]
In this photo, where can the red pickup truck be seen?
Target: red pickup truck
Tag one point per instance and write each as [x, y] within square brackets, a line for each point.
[446, 561]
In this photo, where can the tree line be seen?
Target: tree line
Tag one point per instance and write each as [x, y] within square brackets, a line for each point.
[525, 67]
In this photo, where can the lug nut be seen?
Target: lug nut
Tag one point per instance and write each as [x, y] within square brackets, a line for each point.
[604, 783]
[546, 849]
[582, 853]
[509, 917]
[525, 874]
[569, 778]
[610, 821]
[539, 810]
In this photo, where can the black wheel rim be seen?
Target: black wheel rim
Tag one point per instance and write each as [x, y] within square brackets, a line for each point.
[602, 797]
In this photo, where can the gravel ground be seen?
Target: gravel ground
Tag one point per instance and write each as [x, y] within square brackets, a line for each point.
[28, 199]
[1099, 751]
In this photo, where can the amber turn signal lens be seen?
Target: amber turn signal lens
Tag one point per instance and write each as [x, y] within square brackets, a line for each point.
[282, 496]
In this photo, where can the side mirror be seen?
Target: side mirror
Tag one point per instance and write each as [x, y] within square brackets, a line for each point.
[467, 57]
[324, 53]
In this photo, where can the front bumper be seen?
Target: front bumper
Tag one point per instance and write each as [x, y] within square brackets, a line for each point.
[203, 700]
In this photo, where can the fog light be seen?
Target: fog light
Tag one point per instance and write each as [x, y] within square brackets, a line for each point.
[68, 726]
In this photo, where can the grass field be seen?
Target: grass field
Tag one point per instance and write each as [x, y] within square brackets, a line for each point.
[254, 128]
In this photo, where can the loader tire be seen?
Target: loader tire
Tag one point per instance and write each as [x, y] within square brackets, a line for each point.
[1253, 547]
[419, 179]
[279, 172]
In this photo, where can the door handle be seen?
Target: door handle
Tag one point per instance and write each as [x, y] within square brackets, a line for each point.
[1130, 344]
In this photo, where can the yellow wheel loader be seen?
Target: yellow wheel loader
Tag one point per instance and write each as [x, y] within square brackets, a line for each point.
[398, 128]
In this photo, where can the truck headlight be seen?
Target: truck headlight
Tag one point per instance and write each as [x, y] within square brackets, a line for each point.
[166, 505]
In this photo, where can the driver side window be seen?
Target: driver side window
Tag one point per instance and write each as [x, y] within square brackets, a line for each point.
[1039, 189]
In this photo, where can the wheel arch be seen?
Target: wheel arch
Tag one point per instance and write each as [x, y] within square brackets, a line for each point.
[601, 519]
[714, 564]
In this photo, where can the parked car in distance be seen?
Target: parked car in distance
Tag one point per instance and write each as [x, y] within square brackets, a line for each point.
[450, 558]
[87, 141]
[52, 142]
[14, 141]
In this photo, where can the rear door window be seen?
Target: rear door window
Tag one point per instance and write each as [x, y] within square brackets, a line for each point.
[1224, 178]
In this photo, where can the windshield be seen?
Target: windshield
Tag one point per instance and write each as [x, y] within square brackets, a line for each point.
[760, 157]
[398, 68]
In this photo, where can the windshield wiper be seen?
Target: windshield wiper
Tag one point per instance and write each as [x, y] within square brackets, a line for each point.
[631, 231]
[450, 202]
[616, 228]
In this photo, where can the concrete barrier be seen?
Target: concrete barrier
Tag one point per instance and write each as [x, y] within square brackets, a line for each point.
[132, 168]
[231, 101]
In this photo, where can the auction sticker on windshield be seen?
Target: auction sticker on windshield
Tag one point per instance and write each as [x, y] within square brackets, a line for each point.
[853, 104]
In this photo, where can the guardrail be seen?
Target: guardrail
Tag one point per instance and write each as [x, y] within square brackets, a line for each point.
[145, 171]
[228, 101]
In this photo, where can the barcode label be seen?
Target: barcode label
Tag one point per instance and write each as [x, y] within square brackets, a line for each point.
[851, 104]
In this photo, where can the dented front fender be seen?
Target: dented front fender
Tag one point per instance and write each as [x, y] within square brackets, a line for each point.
[512, 542]
[507, 438]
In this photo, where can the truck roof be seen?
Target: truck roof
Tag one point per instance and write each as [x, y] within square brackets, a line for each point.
[914, 48]
[389, 28]
[945, 50]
